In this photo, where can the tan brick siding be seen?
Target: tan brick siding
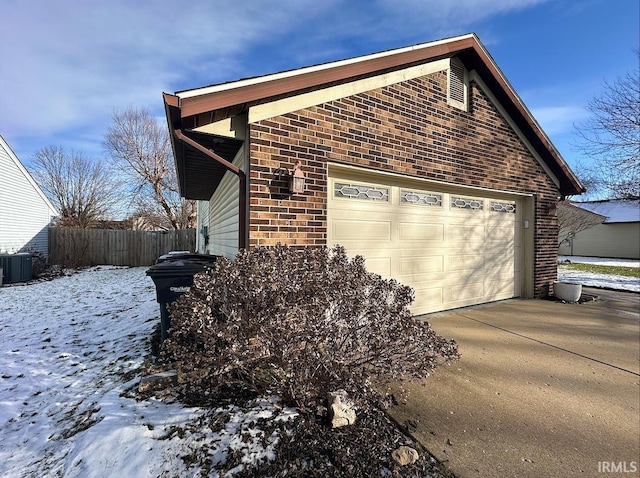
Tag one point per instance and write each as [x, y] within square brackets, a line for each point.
[406, 128]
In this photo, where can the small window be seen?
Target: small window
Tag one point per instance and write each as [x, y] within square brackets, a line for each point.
[467, 203]
[458, 85]
[425, 199]
[503, 207]
[360, 191]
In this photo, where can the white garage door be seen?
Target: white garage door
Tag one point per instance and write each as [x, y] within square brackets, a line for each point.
[454, 249]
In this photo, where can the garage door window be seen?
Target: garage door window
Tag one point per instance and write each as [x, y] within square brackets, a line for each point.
[360, 191]
[467, 203]
[503, 207]
[425, 199]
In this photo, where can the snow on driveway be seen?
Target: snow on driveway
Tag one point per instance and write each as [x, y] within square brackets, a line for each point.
[71, 350]
[607, 281]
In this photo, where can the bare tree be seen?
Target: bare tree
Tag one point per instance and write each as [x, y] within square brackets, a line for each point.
[148, 212]
[573, 219]
[83, 190]
[612, 136]
[141, 149]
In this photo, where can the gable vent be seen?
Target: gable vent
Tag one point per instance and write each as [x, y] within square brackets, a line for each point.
[456, 84]
[457, 94]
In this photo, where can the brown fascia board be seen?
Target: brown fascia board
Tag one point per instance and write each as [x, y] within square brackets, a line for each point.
[172, 111]
[233, 96]
[467, 46]
[171, 100]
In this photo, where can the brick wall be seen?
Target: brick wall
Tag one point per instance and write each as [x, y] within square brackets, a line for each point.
[405, 128]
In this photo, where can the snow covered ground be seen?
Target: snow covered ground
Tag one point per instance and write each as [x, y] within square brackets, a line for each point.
[71, 351]
[608, 281]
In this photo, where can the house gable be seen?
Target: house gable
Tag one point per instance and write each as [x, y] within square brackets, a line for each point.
[25, 212]
[407, 128]
[304, 100]
[188, 110]
[291, 104]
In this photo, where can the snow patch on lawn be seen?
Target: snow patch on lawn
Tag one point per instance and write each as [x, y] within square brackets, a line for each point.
[71, 352]
[603, 261]
[607, 281]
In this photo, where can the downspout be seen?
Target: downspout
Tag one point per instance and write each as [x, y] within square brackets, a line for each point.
[242, 195]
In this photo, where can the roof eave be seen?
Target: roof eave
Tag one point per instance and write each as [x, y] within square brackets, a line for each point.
[244, 93]
[231, 95]
[172, 112]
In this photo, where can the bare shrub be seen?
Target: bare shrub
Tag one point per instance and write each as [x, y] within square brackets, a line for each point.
[299, 323]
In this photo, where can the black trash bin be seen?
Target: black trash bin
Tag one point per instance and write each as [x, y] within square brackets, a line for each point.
[173, 276]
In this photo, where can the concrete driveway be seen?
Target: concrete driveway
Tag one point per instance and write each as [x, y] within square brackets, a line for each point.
[542, 389]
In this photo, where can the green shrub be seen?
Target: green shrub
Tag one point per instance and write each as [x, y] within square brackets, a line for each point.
[298, 323]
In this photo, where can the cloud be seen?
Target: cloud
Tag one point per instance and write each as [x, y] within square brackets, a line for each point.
[349, 28]
[65, 65]
[447, 17]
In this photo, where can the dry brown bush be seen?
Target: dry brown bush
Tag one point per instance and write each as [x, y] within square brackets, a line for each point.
[298, 323]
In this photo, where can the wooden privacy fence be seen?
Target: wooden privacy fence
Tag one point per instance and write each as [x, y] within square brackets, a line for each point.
[72, 247]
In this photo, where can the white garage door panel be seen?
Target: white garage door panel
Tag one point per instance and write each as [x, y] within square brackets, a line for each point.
[470, 234]
[362, 231]
[503, 235]
[497, 268]
[500, 285]
[416, 231]
[429, 296]
[469, 293]
[375, 262]
[453, 249]
[465, 263]
[420, 265]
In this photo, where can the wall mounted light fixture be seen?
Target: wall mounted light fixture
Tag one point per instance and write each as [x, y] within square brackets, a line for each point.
[296, 179]
[204, 230]
[552, 208]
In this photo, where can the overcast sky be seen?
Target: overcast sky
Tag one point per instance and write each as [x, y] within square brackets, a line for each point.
[66, 66]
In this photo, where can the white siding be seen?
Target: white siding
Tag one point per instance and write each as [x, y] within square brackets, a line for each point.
[202, 214]
[224, 214]
[25, 213]
[619, 240]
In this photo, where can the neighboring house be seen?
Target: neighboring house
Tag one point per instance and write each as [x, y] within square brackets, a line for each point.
[572, 220]
[422, 159]
[617, 237]
[25, 212]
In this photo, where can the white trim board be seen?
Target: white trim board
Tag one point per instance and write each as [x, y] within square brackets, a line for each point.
[318, 97]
